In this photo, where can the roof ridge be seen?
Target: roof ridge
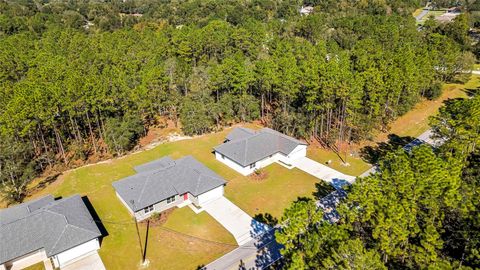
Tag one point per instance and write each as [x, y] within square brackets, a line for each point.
[66, 220]
[170, 165]
[141, 192]
[198, 180]
[60, 236]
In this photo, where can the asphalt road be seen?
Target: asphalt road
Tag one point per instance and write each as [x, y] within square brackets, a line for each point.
[256, 254]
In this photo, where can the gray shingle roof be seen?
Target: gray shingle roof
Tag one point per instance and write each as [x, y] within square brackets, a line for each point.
[257, 146]
[155, 165]
[55, 226]
[240, 133]
[172, 177]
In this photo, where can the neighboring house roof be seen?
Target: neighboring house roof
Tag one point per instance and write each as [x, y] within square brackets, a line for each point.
[240, 133]
[46, 223]
[257, 146]
[172, 177]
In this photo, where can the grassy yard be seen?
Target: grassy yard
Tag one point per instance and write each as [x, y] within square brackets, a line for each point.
[273, 194]
[186, 240]
[37, 266]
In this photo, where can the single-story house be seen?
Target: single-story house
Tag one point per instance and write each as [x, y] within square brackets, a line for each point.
[246, 150]
[47, 230]
[166, 183]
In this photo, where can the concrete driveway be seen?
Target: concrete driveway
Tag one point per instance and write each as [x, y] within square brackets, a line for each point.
[90, 262]
[322, 172]
[243, 227]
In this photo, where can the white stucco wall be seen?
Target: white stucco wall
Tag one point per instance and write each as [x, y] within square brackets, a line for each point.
[299, 151]
[210, 195]
[75, 253]
[232, 164]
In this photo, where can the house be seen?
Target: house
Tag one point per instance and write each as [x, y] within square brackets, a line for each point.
[246, 150]
[47, 230]
[166, 183]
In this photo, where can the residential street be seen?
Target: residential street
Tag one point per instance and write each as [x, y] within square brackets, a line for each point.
[256, 254]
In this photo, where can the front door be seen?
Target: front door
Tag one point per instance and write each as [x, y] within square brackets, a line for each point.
[185, 196]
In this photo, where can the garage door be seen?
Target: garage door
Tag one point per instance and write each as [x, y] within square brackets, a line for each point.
[210, 195]
[299, 152]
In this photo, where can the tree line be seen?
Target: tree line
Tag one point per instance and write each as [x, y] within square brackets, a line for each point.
[73, 90]
[421, 211]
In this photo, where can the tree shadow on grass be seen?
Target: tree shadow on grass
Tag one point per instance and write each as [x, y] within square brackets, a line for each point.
[372, 154]
[44, 183]
[472, 91]
[267, 219]
[322, 189]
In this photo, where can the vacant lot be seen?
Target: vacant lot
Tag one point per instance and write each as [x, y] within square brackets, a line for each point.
[412, 124]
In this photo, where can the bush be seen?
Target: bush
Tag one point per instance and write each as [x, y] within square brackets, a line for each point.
[434, 91]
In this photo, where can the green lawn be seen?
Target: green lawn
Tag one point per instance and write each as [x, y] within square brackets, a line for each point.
[273, 194]
[200, 239]
[37, 266]
[355, 165]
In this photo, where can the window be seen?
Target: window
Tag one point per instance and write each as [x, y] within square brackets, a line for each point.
[170, 199]
[252, 165]
[223, 157]
[148, 209]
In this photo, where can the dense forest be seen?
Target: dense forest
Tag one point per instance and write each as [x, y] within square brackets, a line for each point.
[421, 211]
[83, 78]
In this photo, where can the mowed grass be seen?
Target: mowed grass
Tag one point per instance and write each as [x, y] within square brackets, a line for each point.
[186, 240]
[273, 194]
[37, 266]
[355, 165]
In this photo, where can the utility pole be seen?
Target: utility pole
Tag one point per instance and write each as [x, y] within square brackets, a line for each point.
[138, 232]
